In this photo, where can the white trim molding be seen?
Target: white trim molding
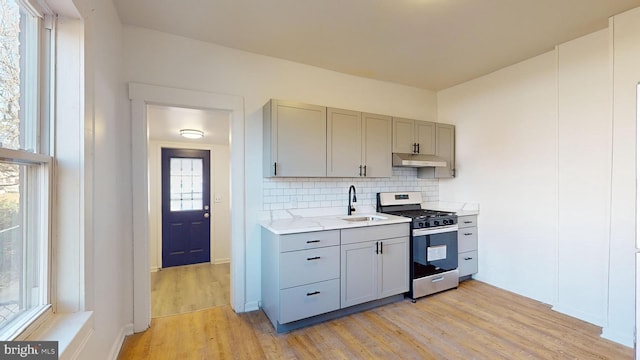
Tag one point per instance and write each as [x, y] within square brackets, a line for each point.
[142, 95]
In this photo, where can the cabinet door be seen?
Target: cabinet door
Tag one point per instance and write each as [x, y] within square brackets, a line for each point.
[445, 148]
[358, 276]
[403, 138]
[298, 139]
[344, 143]
[376, 140]
[393, 267]
[467, 263]
[467, 239]
[425, 133]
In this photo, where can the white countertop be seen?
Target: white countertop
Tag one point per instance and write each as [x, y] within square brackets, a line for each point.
[301, 224]
[460, 208]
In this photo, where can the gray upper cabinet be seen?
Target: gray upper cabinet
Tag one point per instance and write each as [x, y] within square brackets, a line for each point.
[445, 148]
[358, 144]
[294, 139]
[344, 143]
[376, 140]
[414, 136]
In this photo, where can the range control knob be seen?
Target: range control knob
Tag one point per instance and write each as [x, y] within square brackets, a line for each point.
[446, 221]
[436, 222]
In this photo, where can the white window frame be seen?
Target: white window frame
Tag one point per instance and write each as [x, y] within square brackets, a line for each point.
[38, 124]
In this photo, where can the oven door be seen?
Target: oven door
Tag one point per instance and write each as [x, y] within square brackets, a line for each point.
[434, 251]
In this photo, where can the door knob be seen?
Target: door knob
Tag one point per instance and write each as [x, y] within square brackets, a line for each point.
[206, 215]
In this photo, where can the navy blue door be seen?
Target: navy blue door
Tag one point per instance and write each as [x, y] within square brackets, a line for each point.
[186, 217]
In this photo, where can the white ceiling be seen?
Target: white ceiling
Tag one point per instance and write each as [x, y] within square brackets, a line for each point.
[430, 44]
[165, 122]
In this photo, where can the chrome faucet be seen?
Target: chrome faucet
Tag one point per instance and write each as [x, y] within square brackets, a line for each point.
[351, 208]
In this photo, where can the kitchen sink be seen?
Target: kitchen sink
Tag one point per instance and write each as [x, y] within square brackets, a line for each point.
[364, 218]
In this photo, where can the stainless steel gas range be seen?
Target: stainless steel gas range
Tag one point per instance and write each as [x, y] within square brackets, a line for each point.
[433, 246]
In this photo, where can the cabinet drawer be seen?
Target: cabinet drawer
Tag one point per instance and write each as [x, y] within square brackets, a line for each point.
[467, 239]
[468, 263]
[309, 240]
[467, 221]
[309, 300]
[373, 233]
[308, 266]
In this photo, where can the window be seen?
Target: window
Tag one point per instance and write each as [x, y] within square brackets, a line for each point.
[186, 184]
[24, 166]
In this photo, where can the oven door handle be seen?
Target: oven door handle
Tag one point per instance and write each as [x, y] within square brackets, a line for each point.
[439, 230]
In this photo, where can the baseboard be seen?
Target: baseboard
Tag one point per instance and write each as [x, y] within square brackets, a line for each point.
[619, 337]
[581, 315]
[251, 306]
[154, 269]
[221, 261]
[117, 345]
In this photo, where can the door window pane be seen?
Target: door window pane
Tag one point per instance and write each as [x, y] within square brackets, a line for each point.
[185, 184]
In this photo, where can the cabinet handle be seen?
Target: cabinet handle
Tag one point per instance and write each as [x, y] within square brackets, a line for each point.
[414, 147]
[380, 247]
[313, 293]
[453, 172]
[275, 169]
[418, 148]
[377, 252]
[438, 279]
[312, 241]
[468, 222]
[468, 258]
[360, 173]
[467, 234]
[365, 170]
[313, 258]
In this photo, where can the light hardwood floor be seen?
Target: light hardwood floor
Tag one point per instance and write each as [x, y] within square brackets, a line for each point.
[475, 321]
[182, 289]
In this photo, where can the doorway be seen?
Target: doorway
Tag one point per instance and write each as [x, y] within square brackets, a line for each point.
[141, 96]
[189, 209]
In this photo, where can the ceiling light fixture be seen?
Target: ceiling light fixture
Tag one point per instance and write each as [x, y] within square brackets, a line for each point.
[191, 133]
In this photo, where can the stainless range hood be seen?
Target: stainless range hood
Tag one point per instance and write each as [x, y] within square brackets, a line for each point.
[418, 160]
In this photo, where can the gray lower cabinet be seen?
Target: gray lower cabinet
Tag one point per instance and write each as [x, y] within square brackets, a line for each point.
[374, 263]
[300, 275]
[467, 245]
[314, 273]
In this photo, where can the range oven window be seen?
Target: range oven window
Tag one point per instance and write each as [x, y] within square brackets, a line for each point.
[435, 253]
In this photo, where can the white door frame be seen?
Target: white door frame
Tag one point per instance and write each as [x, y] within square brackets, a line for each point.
[141, 95]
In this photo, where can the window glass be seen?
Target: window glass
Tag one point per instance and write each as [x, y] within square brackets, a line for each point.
[18, 77]
[20, 256]
[24, 169]
[185, 184]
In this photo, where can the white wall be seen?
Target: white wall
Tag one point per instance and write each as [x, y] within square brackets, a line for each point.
[552, 162]
[220, 214]
[506, 158]
[584, 178]
[156, 58]
[626, 75]
[107, 159]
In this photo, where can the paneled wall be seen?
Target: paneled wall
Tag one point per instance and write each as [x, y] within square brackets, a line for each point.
[547, 146]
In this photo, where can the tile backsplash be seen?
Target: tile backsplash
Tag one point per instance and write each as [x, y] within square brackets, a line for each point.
[308, 193]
